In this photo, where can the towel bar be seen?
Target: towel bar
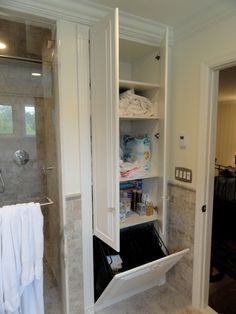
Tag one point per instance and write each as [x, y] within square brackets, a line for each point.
[49, 202]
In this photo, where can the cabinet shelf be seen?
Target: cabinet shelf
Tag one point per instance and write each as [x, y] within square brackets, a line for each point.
[155, 117]
[142, 86]
[147, 176]
[135, 219]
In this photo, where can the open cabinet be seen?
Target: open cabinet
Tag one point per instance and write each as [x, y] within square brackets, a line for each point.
[129, 140]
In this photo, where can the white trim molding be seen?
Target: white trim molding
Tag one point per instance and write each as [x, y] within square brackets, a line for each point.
[204, 192]
[85, 164]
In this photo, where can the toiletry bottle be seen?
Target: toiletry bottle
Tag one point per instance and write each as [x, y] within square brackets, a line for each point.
[149, 209]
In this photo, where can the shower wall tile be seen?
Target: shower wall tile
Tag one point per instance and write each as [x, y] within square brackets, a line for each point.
[74, 255]
[19, 88]
[46, 144]
[16, 79]
[181, 219]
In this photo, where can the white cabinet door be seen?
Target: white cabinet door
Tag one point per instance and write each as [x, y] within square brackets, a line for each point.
[163, 130]
[105, 128]
[136, 280]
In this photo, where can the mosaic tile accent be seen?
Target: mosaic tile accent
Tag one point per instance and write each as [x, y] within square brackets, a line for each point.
[181, 218]
[74, 254]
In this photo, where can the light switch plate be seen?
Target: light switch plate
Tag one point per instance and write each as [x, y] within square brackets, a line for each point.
[183, 174]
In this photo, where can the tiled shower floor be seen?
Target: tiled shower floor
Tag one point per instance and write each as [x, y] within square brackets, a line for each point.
[52, 298]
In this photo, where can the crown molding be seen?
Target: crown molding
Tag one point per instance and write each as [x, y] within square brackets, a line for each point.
[204, 19]
[141, 29]
[88, 13]
[56, 9]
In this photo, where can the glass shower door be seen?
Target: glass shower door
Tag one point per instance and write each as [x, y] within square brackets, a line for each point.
[28, 152]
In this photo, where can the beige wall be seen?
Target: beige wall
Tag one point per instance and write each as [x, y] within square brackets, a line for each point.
[188, 54]
[226, 133]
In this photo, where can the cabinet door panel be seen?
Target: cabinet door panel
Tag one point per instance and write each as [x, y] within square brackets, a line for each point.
[163, 130]
[138, 279]
[105, 128]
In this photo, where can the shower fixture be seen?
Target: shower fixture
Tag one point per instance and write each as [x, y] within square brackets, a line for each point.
[21, 157]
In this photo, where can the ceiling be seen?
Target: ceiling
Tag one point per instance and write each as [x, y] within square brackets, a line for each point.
[171, 12]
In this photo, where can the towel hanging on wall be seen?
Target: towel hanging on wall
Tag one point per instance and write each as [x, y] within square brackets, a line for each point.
[21, 262]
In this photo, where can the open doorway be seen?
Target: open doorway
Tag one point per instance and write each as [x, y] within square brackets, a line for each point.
[209, 83]
[222, 288]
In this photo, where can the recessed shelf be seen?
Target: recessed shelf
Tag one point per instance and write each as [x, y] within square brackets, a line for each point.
[138, 85]
[136, 219]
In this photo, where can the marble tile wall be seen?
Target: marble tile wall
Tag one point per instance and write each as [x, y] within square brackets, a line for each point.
[74, 254]
[52, 213]
[181, 217]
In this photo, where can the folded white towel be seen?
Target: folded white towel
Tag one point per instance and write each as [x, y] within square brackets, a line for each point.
[134, 105]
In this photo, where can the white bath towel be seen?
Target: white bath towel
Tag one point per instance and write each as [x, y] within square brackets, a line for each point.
[37, 219]
[22, 259]
[10, 257]
[2, 308]
[27, 245]
[32, 277]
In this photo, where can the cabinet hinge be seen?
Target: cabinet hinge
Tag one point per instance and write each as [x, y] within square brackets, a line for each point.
[203, 208]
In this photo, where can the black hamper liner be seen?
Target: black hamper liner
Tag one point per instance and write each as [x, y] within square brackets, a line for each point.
[138, 245]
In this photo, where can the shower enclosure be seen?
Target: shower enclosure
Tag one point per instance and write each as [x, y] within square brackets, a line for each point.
[28, 125]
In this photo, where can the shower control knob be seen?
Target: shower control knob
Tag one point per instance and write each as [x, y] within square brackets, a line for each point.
[21, 157]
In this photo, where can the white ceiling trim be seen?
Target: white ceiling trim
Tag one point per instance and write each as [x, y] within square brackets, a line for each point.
[147, 31]
[202, 21]
[132, 27]
[56, 9]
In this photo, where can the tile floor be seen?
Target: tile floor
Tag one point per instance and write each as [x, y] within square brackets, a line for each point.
[162, 300]
[170, 301]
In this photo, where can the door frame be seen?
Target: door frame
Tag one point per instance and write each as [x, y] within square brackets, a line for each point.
[205, 169]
